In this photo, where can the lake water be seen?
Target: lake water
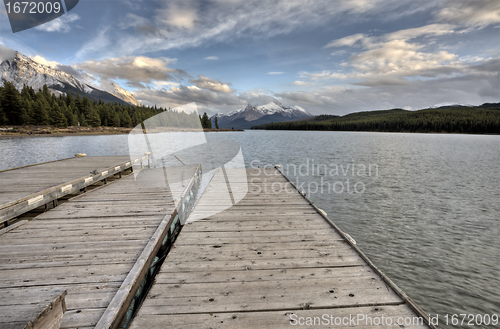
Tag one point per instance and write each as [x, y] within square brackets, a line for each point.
[424, 207]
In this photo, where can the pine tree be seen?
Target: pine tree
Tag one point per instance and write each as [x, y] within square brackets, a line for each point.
[3, 118]
[216, 123]
[57, 118]
[79, 104]
[11, 104]
[40, 113]
[125, 119]
[206, 122]
[70, 101]
[82, 120]
[93, 118]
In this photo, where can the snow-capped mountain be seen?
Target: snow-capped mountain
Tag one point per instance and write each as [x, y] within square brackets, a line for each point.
[124, 95]
[22, 70]
[250, 115]
[448, 105]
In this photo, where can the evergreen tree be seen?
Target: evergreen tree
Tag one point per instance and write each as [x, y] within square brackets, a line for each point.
[57, 118]
[206, 122]
[125, 120]
[81, 120]
[11, 104]
[70, 101]
[40, 113]
[47, 94]
[79, 104]
[93, 118]
[216, 123]
[3, 118]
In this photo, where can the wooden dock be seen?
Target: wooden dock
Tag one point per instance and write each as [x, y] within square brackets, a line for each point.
[26, 188]
[98, 248]
[270, 261]
[271, 258]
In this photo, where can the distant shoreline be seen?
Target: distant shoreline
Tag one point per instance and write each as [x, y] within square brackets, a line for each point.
[384, 132]
[49, 131]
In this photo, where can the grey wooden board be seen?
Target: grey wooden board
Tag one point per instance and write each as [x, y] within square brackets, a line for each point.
[255, 263]
[271, 320]
[27, 312]
[86, 246]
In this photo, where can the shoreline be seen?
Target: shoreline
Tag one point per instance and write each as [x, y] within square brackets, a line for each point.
[386, 132]
[46, 131]
[49, 131]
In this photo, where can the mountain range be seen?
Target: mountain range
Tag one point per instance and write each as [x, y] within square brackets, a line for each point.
[250, 115]
[22, 70]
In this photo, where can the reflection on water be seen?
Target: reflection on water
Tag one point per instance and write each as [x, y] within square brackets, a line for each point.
[428, 217]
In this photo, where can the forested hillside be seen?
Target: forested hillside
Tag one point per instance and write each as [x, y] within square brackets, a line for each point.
[43, 108]
[484, 119]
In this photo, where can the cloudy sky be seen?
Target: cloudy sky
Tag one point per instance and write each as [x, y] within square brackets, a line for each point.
[328, 56]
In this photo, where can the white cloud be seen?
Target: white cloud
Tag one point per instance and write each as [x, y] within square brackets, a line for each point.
[477, 13]
[365, 41]
[299, 83]
[422, 31]
[211, 58]
[6, 53]
[177, 14]
[136, 70]
[275, 73]
[323, 75]
[396, 54]
[400, 58]
[60, 24]
[348, 41]
[43, 61]
[207, 83]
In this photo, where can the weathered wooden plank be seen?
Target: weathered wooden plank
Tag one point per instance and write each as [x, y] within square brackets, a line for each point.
[46, 313]
[14, 296]
[70, 247]
[82, 238]
[278, 319]
[208, 265]
[83, 271]
[12, 227]
[49, 281]
[263, 275]
[270, 297]
[259, 246]
[81, 318]
[339, 252]
[195, 240]
[33, 264]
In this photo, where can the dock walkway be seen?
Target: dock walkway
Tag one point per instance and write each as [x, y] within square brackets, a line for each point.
[270, 261]
[26, 188]
[87, 246]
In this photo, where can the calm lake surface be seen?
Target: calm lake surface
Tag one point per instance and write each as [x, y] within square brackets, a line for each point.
[424, 207]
